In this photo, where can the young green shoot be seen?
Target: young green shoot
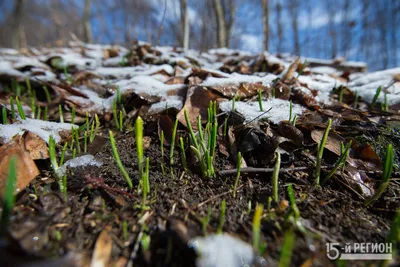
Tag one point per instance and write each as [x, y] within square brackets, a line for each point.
[183, 154]
[4, 114]
[28, 85]
[387, 171]
[146, 184]
[73, 115]
[85, 142]
[125, 230]
[222, 217]
[47, 93]
[9, 198]
[341, 162]
[356, 100]
[139, 144]
[287, 248]
[275, 177]
[239, 164]
[205, 221]
[259, 92]
[233, 102]
[115, 114]
[171, 152]
[61, 113]
[121, 120]
[33, 104]
[118, 160]
[62, 157]
[77, 143]
[55, 166]
[377, 93]
[38, 113]
[257, 228]
[294, 120]
[290, 110]
[341, 89]
[303, 66]
[20, 109]
[321, 147]
[67, 76]
[162, 140]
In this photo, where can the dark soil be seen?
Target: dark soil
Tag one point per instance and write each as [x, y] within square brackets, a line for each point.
[44, 226]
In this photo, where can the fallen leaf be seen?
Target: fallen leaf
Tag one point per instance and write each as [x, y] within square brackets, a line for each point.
[36, 146]
[102, 250]
[26, 167]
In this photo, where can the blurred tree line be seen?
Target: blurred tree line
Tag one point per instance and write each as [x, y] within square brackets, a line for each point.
[357, 29]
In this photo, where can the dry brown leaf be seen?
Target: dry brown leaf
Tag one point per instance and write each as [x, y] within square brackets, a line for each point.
[332, 143]
[290, 72]
[102, 250]
[26, 167]
[36, 146]
[197, 102]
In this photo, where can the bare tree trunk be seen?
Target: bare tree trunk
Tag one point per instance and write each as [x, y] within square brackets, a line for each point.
[331, 27]
[293, 9]
[346, 35]
[185, 24]
[382, 13]
[221, 27]
[17, 28]
[365, 29]
[87, 29]
[280, 28]
[229, 21]
[265, 8]
[395, 11]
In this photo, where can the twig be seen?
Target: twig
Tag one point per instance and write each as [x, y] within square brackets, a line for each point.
[267, 170]
[160, 29]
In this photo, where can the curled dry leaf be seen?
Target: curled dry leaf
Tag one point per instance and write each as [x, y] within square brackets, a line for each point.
[26, 167]
[36, 146]
[291, 70]
[102, 250]
[197, 102]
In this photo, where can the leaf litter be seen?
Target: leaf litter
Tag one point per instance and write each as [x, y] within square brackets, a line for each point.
[103, 222]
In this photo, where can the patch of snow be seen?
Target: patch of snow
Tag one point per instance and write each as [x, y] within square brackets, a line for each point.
[134, 71]
[324, 70]
[237, 79]
[86, 160]
[7, 69]
[169, 102]
[222, 251]
[44, 129]
[251, 110]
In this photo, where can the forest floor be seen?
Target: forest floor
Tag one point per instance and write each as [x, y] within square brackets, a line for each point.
[274, 110]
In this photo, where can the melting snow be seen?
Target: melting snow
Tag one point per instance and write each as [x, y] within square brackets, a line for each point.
[86, 160]
[42, 128]
[250, 110]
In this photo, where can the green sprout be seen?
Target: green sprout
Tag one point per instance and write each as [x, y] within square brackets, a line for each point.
[233, 102]
[341, 89]
[139, 144]
[121, 120]
[257, 228]
[205, 152]
[303, 66]
[38, 113]
[84, 142]
[206, 220]
[73, 115]
[118, 160]
[222, 217]
[162, 140]
[33, 104]
[290, 110]
[146, 184]
[341, 161]
[171, 152]
[67, 76]
[387, 171]
[47, 93]
[294, 210]
[64, 149]
[275, 176]
[183, 154]
[125, 230]
[20, 109]
[239, 164]
[94, 129]
[61, 113]
[62, 184]
[377, 93]
[9, 198]
[386, 103]
[28, 85]
[4, 114]
[294, 120]
[78, 145]
[287, 248]
[259, 92]
[115, 114]
[321, 147]
[356, 100]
